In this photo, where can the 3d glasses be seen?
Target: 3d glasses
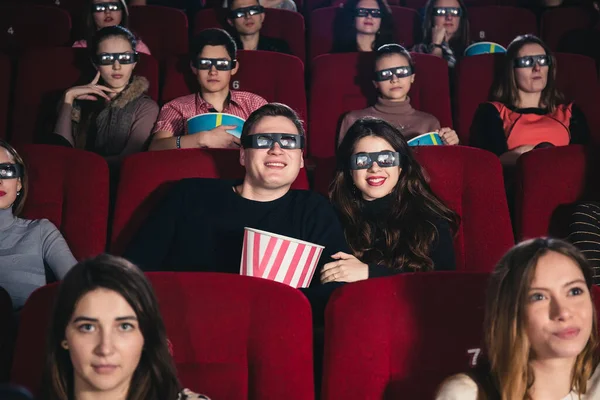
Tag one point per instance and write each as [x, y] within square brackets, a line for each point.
[364, 12]
[246, 12]
[529, 61]
[286, 141]
[221, 64]
[111, 58]
[447, 11]
[385, 159]
[102, 7]
[399, 72]
[10, 171]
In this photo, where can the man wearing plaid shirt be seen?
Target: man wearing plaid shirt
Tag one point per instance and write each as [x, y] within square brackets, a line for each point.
[213, 62]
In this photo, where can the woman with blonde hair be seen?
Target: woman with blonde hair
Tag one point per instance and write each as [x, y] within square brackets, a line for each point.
[541, 330]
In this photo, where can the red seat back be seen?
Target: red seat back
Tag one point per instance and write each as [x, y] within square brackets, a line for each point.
[281, 24]
[407, 26]
[163, 29]
[5, 80]
[232, 337]
[500, 24]
[548, 181]
[343, 82]
[391, 338]
[557, 22]
[145, 177]
[37, 95]
[70, 188]
[25, 26]
[274, 76]
[470, 182]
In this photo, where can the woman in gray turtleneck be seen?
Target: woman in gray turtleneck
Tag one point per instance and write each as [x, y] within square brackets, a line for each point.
[27, 247]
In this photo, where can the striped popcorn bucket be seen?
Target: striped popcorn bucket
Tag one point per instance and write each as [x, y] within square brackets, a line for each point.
[279, 258]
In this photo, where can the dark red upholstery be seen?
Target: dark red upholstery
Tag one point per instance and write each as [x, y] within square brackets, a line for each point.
[557, 22]
[37, 95]
[274, 76]
[475, 76]
[163, 29]
[5, 79]
[312, 5]
[470, 182]
[548, 181]
[73, 7]
[500, 24]
[417, 4]
[233, 337]
[407, 25]
[399, 337]
[70, 188]
[236, 337]
[343, 82]
[146, 176]
[30, 349]
[24, 26]
[282, 24]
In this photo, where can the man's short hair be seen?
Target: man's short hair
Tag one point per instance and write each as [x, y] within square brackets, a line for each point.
[230, 4]
[212, 37]
[272, 110]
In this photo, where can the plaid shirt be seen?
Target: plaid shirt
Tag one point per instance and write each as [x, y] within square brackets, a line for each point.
[174, 115]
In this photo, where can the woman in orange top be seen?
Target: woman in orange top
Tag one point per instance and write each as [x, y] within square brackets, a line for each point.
[527, 111]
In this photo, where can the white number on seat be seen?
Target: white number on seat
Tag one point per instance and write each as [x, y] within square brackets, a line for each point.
[236, 85]
[474, 353]
[11, 31]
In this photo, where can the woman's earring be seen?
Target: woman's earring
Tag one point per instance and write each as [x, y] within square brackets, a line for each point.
[18, 193]
[64, 345]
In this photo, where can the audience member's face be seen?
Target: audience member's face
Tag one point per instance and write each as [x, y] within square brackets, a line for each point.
[8, 187]
[449, 22]
[375, 182]
[107, 18]
[213, 80]
[395, 88]
[558, 309]
[104, 342]
[368, 24]
[531, 80]
[272, 168]
[249, 24]
[116, 75]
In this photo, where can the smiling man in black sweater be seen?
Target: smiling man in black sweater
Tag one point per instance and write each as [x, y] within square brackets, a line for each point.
[200, 224]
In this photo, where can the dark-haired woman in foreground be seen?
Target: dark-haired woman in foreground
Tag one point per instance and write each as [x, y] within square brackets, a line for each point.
[541, 330]
[392, 220]
[107, 339]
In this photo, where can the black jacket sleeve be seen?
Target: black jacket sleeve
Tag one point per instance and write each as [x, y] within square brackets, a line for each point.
[441, 253]
[487, 130]
[150, 247]
[578, 127]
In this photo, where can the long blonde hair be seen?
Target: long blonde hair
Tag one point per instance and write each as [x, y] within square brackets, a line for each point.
[508, 348]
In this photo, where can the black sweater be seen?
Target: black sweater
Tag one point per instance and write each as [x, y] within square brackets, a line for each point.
[200, 227]
[442, 249]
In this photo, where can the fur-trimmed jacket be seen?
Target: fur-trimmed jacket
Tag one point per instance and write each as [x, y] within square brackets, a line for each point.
[111, 129]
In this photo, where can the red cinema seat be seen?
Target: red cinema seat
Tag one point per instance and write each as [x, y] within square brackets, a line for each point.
[470, 182]
[69, 187]
[163, 29]
[343, 82]
[26, 26]
[73, 7]
[274, 76]
[390, 338]
[418, 4]
[475, 77]
[407, 26]
[500, 24]
[280, 24]
[548, 182]
[37, 96]
[558, 22]
[5, 79]
[258, 344]
[146, 176]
